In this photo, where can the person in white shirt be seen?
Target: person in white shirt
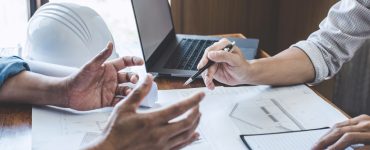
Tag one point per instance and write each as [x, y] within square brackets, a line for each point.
[342, 33]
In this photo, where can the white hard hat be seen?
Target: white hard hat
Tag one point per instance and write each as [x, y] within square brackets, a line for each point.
[66, 34]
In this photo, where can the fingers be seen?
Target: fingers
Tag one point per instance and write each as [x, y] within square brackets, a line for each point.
[349, 139]
[216, 46]
[348, 122]
[334, 135]
[124, 77]
[353, 121]
[98, 60]
[177, 109]
[116, 100]
[341, 130]
[123, 90]
[225, 57]
[134, 99]
[362, 118]
[208, 76]
[126, 61]
[186, 124]
[185, 135]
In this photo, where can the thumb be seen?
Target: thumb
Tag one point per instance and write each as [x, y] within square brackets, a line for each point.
[224, 57]
[99, 59]
[134, 99]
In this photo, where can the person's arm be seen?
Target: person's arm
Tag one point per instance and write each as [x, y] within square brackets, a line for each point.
[291, 66]
[18, 85]
[33, 88]
[98, 84]
[342, 33]
[345, 31]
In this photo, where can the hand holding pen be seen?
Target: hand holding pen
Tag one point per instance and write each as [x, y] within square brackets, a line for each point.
[227, 48]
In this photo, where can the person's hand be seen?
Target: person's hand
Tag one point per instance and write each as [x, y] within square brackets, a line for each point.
[97, 84]
[230, 68]
[128, 129]
[344, 134]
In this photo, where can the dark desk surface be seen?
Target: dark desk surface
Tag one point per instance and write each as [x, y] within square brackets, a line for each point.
[16, 119]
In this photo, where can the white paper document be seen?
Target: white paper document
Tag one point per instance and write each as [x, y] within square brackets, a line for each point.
[227, 113]
[66, 129]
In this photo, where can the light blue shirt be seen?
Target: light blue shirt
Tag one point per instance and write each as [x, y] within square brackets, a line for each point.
[10, 66]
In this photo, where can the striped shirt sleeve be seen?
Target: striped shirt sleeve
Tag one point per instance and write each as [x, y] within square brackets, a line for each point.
[341, 34]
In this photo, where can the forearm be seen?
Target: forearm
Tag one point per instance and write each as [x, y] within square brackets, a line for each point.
[291, 66]
[32, 88]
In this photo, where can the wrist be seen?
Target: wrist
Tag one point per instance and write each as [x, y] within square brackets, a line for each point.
[251, 72]
[55, 92]
[59, 88]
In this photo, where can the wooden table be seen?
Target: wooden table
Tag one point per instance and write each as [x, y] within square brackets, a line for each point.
[16, 119]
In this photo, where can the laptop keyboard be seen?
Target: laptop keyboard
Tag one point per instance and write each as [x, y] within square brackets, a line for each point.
[188, 54]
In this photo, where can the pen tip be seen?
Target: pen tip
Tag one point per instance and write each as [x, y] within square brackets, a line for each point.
[188, 82]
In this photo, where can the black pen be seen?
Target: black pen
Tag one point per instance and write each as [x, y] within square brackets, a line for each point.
[227, 48]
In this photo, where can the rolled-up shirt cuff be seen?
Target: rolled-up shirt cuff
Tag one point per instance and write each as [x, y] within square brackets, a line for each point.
[317, 59]
[10, 66]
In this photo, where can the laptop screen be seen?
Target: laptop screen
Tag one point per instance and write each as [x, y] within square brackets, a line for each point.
[154, 23]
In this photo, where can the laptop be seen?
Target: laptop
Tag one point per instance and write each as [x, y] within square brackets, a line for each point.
[168, 53]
